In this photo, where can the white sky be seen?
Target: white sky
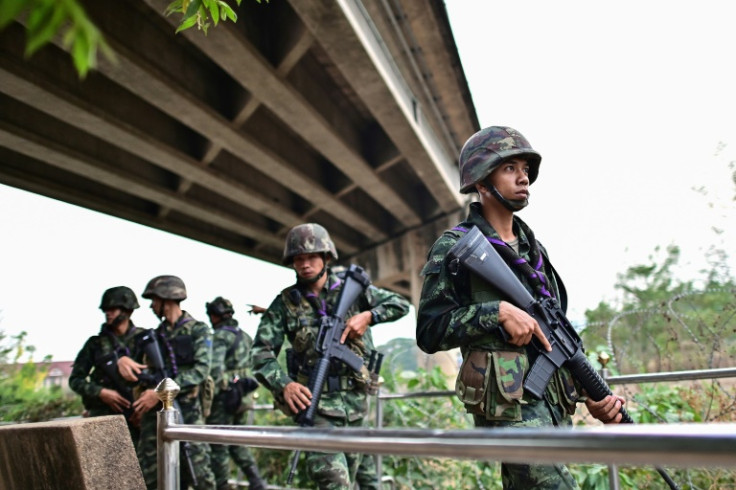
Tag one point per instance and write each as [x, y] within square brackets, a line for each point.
[631, 105]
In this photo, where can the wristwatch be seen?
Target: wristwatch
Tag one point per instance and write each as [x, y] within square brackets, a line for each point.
[374, 317]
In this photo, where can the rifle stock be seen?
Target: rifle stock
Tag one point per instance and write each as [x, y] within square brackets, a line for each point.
[329, 347]
[475, 253]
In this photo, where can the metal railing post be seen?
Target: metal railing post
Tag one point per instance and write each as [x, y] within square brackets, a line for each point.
[603, 358]
[167, 450]
[379, 426]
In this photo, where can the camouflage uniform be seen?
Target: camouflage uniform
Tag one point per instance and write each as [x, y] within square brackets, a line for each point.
[367, 475]
[186, 347]
[88, 378]
[295, 316]
[458, 309]
[230, 358]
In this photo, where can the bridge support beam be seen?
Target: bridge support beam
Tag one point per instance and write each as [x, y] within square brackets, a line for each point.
[396, 264]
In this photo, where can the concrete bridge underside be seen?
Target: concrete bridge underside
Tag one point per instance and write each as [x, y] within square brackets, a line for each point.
[346, 113]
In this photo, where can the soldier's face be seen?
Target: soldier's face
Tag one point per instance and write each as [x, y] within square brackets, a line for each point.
[157, 305]
[111, 314]
[307, 266]
[511, 179]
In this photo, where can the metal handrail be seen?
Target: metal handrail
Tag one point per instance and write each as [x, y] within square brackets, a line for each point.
[679, 445]
[671, 376]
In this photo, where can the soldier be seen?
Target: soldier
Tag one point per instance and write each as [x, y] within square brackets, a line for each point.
[186, 347]
[366, 477]
[230, 360]
[94, 374]
[295, 315]
[457, 309]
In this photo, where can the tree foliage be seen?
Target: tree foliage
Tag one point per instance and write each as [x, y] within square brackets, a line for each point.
[45, 19]
[23, 398]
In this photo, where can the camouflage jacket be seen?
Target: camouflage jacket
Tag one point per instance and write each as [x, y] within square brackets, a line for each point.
[291, 316]
[448, 316]
[186, 347]
[230, 356]
[461, 310]
[88, 378]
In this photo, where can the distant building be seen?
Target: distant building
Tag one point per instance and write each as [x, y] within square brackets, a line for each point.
[57, 374]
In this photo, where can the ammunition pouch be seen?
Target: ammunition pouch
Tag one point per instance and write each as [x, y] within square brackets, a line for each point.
[232, 397]
[374, 383]
[207, 394]
[491, 384]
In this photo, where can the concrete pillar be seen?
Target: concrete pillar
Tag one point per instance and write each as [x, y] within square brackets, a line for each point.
[80, 454]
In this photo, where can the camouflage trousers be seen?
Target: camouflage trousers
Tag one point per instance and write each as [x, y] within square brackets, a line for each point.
[199, 453]
[527, 476]
[333, 470]
[367, 475]
[221, 454]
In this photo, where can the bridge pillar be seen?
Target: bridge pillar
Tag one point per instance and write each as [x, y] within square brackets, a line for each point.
[396, 263]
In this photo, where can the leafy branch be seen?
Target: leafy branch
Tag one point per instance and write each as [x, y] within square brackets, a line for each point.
[45, 19]
[198, 12]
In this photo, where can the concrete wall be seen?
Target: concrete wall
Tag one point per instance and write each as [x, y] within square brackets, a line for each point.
[88, 453]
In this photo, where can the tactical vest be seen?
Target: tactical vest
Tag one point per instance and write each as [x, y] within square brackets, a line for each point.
[302, 330]
[504, 400]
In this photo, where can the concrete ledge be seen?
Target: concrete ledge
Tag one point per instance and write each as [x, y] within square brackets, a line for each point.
[87, 453]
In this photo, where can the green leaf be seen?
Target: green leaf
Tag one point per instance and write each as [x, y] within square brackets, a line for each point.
[186, 24]
[82, 53]
[214, 11]
[192, 8]
[228, 12]
[42, 25]
[11, 9]
[173, 7]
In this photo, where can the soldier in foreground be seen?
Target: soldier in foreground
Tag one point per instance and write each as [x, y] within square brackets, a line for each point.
[94, 373]
[458, 309]
[295, 315]
[186, 348]
[230, 360]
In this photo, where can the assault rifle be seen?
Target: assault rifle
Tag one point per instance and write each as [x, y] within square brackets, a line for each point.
[330, 349]
[152, 377]
[475, 253]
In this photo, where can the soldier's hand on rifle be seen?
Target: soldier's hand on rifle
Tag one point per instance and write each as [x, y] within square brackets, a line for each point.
[297, 396]
[147, 401]
[114, 400]
[607, 410]
[520, 326]
[129, 369]
[356, 326]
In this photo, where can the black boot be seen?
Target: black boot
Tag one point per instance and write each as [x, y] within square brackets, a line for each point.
[255, 482]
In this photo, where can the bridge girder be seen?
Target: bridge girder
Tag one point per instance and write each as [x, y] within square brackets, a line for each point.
[345, 113]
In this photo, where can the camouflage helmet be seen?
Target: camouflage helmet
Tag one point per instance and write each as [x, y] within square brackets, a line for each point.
[165, 287]
[119, 297]
[220, 307]
[486, 149]
[308, 238]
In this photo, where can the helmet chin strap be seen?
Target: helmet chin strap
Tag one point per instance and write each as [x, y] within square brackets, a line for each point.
[160, 313]
[117, 321]
[512, 205]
